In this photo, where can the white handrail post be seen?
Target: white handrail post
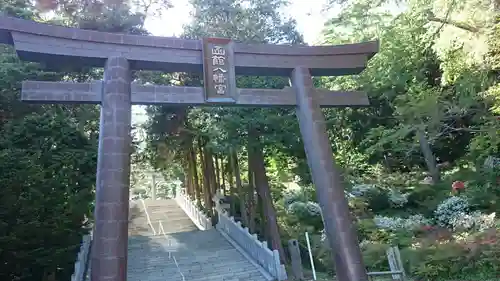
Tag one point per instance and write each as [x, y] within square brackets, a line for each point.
[277, 264]
[147, 217]
[310, 256]
[199, 218]
[247, 242]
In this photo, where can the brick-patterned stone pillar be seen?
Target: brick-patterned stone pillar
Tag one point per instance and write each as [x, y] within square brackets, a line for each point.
[109, 250]
[339, 227]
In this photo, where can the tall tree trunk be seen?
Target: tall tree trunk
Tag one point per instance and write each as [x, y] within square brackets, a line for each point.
[206, 181]
[211, 171]
[239, 187]
[217, 173]
[213, 182]
[190, 175]
[250, 191]
[262, 183]
[222, 175]
[196, 180]
[200, 171]
[430, 159]
[230, 180]
[264, 228]
[187, 177]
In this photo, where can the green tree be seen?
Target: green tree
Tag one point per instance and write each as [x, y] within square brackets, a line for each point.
[48, 177]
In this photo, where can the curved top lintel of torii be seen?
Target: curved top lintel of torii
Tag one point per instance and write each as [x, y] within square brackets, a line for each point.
[59, 47]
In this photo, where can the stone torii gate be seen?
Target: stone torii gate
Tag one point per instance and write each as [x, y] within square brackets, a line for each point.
[221, 60]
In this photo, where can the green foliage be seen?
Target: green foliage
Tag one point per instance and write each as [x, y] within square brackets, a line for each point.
[424, 199]
[48, 175]
[251, 21]
[374, 255]
[476, 258]
[483, 190]
[377, 200]
[48, 153]
[368, 231]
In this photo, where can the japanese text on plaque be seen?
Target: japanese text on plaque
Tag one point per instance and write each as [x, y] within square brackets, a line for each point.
[219, 70]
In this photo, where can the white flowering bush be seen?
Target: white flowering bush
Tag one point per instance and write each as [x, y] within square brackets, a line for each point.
[290, 197]
[313, 208]
[450, 210]
[397, 223]
[323, 236]
[361, 189]
[305, 209]
[475, 220]
[398, 199]
[307, 213]
[394, 197]
[296, 207]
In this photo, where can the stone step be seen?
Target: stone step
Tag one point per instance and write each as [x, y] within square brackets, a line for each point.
[166, 221]
[250, 276]
[170, 268]
[195, 258]
[151, 202]
[177, 240]
[148, 266]
[184, 250]
[167, 216]
[169, 225]
[225, 274]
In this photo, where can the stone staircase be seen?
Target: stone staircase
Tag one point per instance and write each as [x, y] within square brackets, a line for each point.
[164, 244]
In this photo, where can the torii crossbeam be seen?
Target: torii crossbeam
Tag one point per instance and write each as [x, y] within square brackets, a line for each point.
[220, 60]
[80, 93]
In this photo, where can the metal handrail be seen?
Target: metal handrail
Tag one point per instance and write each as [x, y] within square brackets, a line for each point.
[170, 255]
[161, 230]
[147, 216]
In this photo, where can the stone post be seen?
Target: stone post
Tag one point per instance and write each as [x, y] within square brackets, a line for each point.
[326, 177]
[294, 250]
[109, 250]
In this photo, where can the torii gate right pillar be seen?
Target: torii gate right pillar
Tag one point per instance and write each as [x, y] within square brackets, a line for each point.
[339, 227]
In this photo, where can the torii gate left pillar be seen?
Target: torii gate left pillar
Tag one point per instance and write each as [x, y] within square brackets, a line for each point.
[109, 253]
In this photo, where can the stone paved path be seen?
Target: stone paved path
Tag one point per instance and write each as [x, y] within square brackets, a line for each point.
[182, 253]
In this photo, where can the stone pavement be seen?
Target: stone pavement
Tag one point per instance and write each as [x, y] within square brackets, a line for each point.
[179, 251]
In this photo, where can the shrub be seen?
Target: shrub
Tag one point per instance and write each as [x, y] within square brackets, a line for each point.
[488, 253]
[424, 199]
[397, 199]
[378, 200]
[305, 209]
[368, 232]
[290, 197]
[435, 261]
[451, 210]
[359, 208]
[374, 255]
[483, 191]
[308, 213]
[478, 257]
[362, 189]
[395, 223]
[475, 220]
